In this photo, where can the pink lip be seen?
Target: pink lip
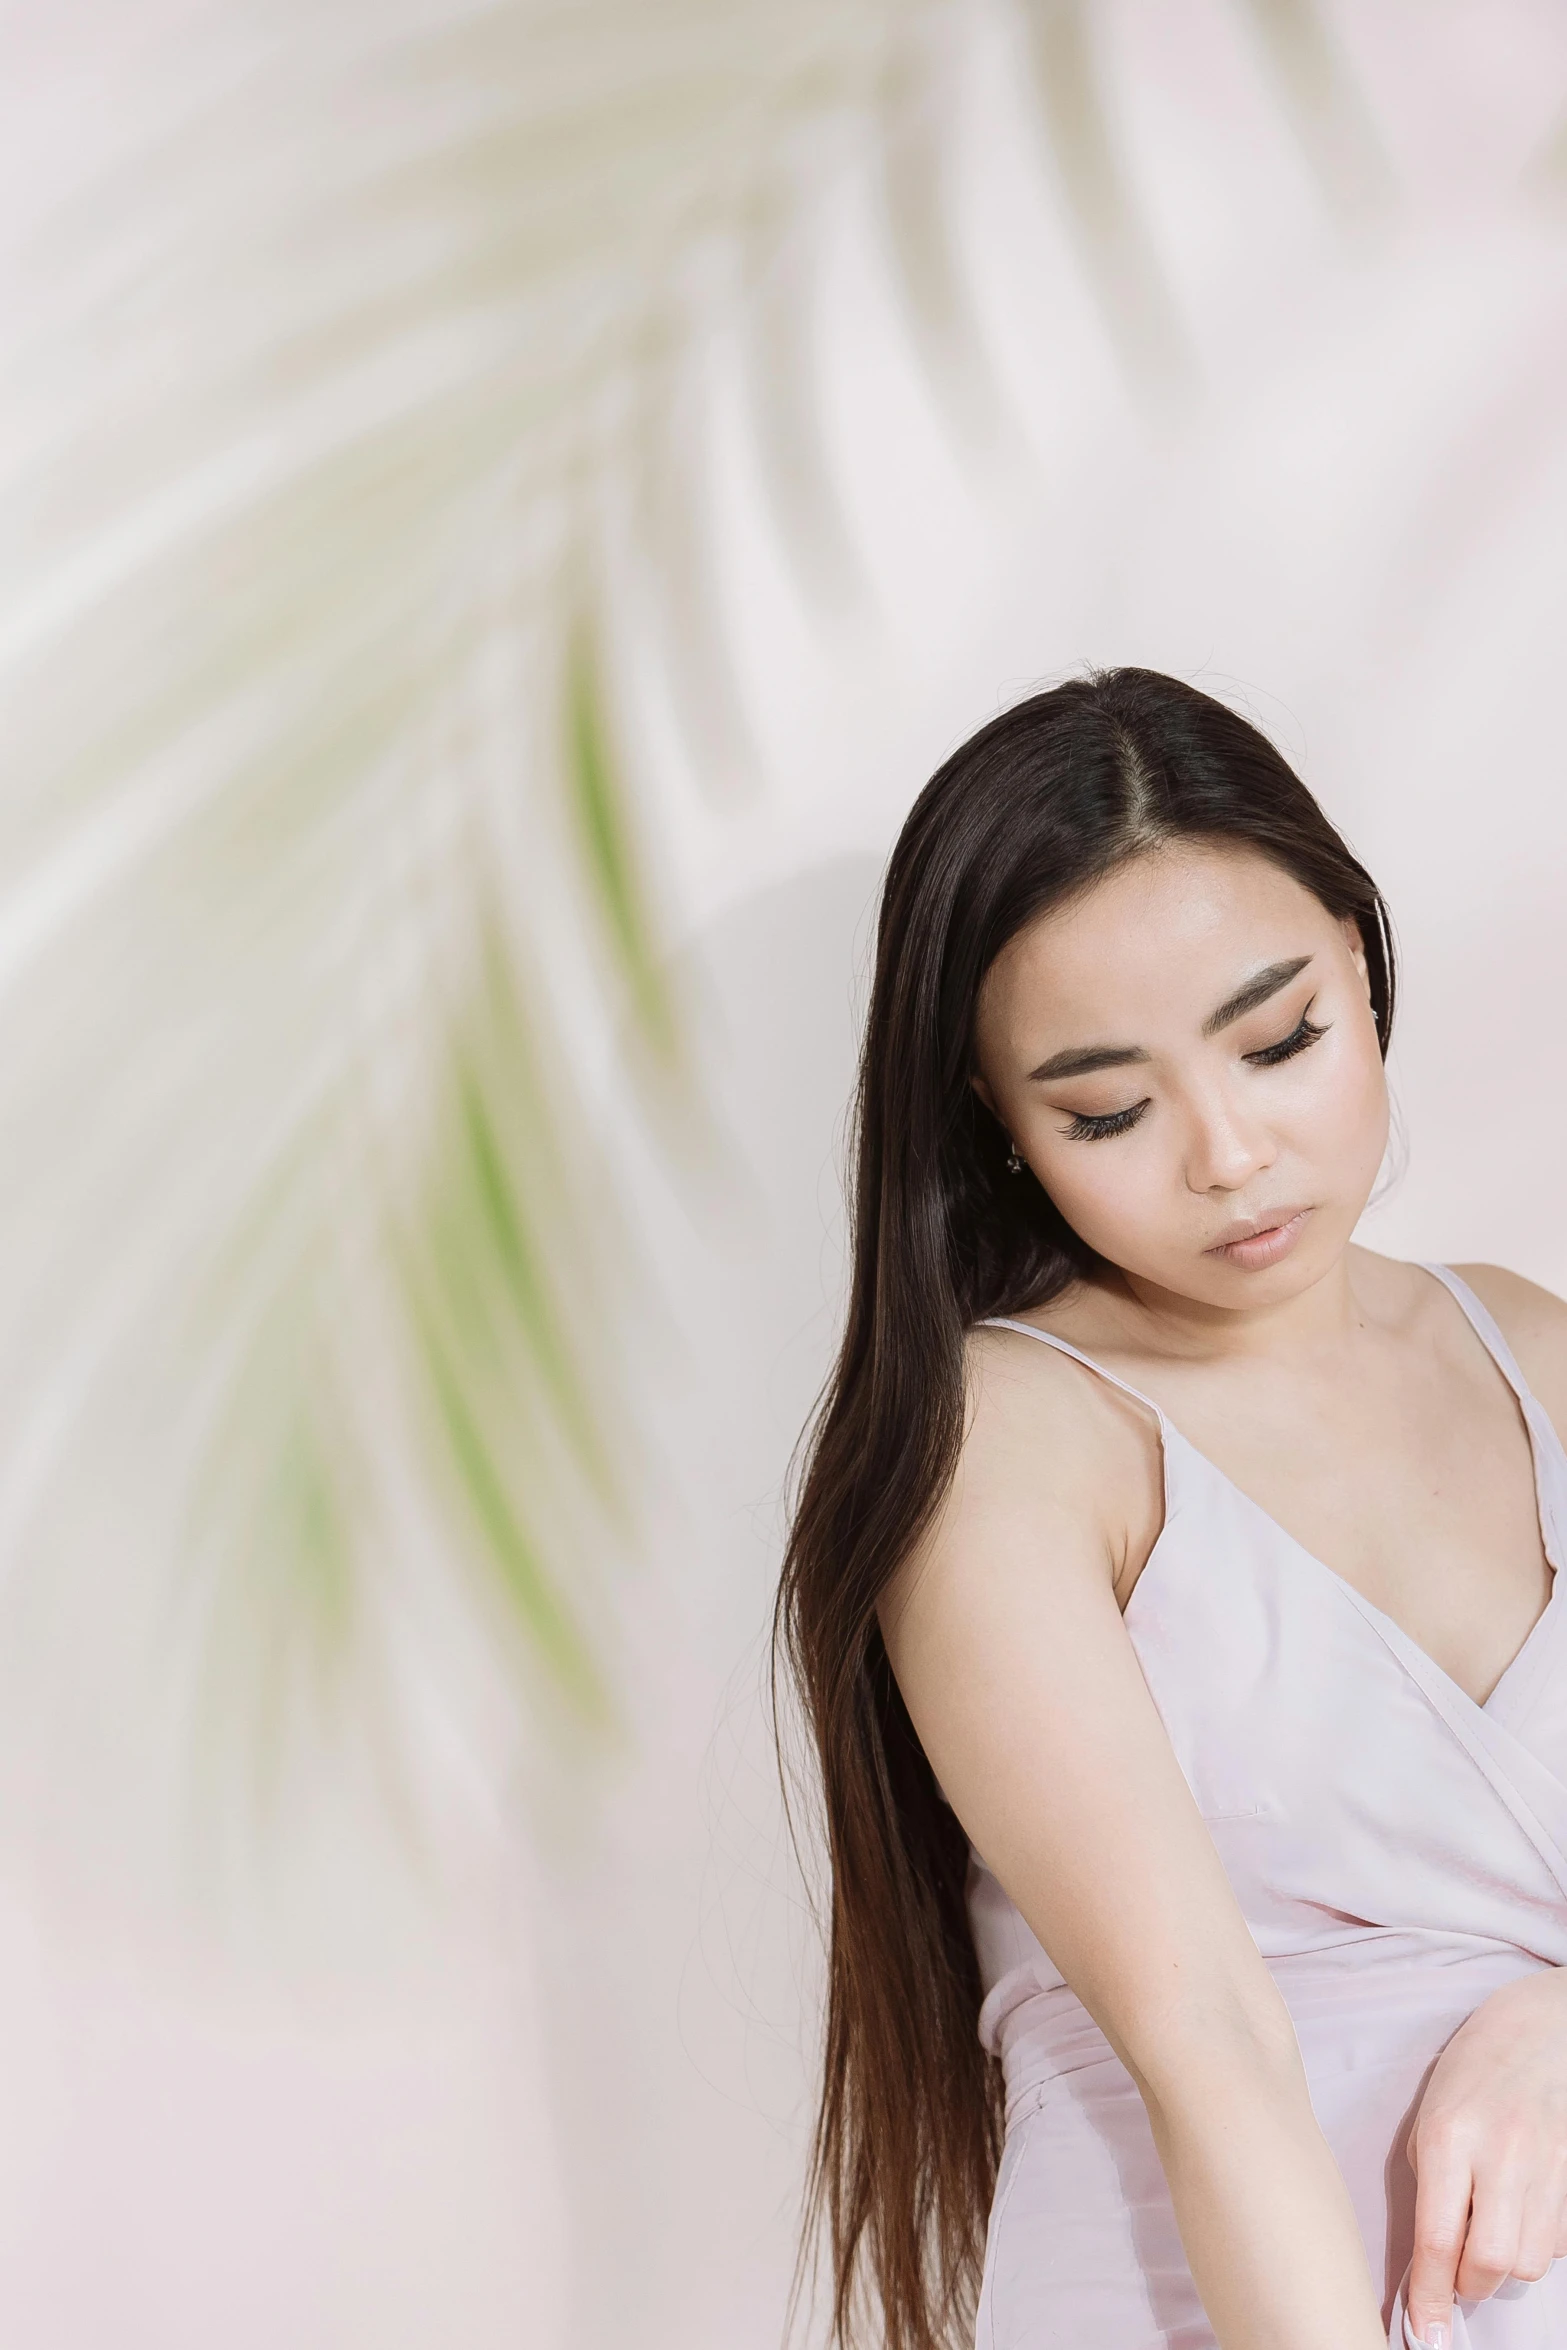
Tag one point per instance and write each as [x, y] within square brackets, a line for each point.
[1255, 1249]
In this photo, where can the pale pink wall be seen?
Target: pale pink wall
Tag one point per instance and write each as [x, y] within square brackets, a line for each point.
[554, 2095]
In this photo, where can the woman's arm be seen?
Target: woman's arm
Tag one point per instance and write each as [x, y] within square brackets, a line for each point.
[1021, 1680]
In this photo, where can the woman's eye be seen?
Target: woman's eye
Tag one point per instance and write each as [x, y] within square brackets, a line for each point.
[1086, 1129]
[1307, 1032]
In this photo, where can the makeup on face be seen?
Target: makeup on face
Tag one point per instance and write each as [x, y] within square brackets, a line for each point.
[1083, 1060]
[1152, 1051]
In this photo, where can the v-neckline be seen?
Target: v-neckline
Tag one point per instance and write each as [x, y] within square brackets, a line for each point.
[1390, 1627]
[1527, 1404]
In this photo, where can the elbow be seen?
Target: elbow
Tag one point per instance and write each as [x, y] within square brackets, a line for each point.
[1192, 2050]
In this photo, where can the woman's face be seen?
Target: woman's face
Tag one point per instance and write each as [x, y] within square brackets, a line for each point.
[1184, 1054]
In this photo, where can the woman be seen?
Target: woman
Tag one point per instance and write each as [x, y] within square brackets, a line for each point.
[1171, 1593]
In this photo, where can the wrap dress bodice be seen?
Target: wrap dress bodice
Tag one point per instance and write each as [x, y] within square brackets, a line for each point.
[1398, 1850]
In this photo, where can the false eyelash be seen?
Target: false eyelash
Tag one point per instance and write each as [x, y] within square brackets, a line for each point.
[1268, 1056]
[1086, 1129]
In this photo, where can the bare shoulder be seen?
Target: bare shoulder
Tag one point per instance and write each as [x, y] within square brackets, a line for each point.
[1008, 1371]
[1041, 1424]
[1055, 1463]
[1533, 1320]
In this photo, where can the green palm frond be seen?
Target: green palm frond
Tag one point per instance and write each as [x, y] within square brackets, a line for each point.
[604, 820]
[324, 880]
[326, 859]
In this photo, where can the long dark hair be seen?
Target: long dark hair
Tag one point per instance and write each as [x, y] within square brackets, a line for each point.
[1039, 804]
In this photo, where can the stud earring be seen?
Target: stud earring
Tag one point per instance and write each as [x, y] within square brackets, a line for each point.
[1014, 1163]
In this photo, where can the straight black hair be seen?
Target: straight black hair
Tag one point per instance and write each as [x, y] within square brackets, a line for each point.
[1040, 804]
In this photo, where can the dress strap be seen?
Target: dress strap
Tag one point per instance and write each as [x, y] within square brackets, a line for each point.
[1048, 1338]
[1488, 1330]
[1550, 1456]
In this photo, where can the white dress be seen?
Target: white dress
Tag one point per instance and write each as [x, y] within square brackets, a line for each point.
[1398, 1851]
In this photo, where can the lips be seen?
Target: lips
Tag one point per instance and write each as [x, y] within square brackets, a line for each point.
[1253, 1227]
[1257, 1246]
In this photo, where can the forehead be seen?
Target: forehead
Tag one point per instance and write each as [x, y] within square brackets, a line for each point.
[1162, 939]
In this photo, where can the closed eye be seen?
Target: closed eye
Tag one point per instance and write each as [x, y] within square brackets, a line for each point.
[1305, 1032]
[1086, 1129]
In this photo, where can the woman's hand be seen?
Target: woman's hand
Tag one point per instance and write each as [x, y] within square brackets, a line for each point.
[1489, 2153]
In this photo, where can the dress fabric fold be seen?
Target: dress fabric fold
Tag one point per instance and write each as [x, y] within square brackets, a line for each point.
[1399, 1853]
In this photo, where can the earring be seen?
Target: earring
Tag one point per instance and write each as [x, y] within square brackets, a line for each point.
[1014, 1163]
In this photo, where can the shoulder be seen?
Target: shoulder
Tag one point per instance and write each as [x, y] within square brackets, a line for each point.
[1057, 1469]
[1533, 1320]
[1031, 1405]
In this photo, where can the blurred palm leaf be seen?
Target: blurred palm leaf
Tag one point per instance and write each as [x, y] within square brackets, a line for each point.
[1122, 262]
[1546, 170]
[326, 869]
[323, 883]
[1322, 98]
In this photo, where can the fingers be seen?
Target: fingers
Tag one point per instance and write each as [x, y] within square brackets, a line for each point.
[1540, 2231]
[1443, 2189]
[1514, 2223]
[1490, 2249]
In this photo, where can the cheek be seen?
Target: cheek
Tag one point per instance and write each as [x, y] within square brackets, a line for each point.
[1111, 1196]
[1349, 1108]
[1336, 1127]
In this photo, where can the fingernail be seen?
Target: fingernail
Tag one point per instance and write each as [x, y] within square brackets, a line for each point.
[1438, 2336]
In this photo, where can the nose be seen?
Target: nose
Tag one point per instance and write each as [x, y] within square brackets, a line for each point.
[1225, 1147]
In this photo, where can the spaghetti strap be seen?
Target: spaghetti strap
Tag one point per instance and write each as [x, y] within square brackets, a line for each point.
[1048, 1338]
[1486, 1327]
[1550, 1455]
[1478, 1315]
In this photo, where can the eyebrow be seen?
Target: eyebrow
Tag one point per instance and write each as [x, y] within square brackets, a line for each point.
[1080, 1060]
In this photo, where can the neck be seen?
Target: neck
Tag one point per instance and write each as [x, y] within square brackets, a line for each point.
[1316, 1313]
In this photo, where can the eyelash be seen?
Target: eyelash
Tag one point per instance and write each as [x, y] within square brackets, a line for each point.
[1268, 1056]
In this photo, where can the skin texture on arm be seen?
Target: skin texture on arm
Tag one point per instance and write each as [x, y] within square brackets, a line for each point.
[1488, 2145]
[1005, 1635]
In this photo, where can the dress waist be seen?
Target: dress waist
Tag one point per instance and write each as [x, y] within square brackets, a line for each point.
[1359, 2005]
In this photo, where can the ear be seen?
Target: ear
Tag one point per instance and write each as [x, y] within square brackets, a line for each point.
[985, 1094]
[1357, 948]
